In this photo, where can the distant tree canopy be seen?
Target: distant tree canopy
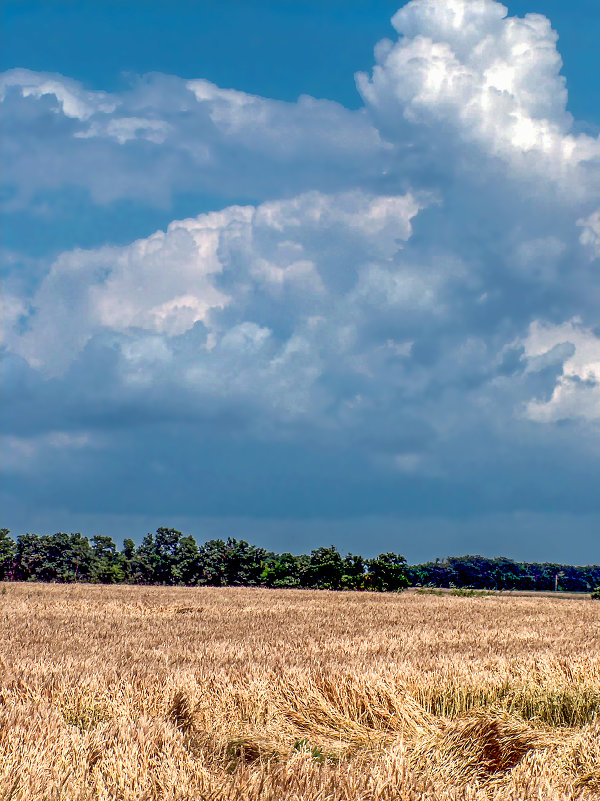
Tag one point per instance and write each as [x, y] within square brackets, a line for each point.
[479, 572]
[170, 558]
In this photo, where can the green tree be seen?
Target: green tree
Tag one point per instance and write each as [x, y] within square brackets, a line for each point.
[30, 557]
[107, 566]
[188, 561]
[127, 559]
[325, 569]
[211, 563]
[166, 556]
[281, 570]
[243, 563]
[353, 575]
[143, 561]
[7, 554]
[387, 573]
[56, 557]
[68, 557]
[230, 563]
[157, 560]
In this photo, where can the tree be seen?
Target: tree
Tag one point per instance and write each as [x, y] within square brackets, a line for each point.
[188, 561]
[387, 573]
[231, 563]
[127, 558]
[353, 575]
[211, 563]
[68, 557]
[168, 557]
[7, 554]
[243, 563]
[59, 557]
[107, 566]
[166, 553]
[143, 561]
[163, 558]
[325, 569]
[281, 570]
[30, 557]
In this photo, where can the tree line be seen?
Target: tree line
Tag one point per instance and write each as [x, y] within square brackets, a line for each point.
[481, 573]
[170, 558]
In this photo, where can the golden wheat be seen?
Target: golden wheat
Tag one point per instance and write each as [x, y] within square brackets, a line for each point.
[128, 693]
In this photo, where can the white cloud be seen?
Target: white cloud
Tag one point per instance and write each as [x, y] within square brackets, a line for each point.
[12, 308]
[74, 101]
[165, 135]
[590, 236]
[577, 390]
[125, 129]
[414, 293]
[167, 283]
[489, 81]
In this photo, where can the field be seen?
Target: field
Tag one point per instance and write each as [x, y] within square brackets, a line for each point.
[127, 693]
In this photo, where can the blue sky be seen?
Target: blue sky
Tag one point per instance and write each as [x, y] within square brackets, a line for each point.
[279, 49]
[260, 281]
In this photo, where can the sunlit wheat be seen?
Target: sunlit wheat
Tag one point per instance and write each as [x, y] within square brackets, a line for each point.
[128, 693]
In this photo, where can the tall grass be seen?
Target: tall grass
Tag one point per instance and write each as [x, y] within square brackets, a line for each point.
[141, 694]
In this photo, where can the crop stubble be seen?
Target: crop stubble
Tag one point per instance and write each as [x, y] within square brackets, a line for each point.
[129, 693]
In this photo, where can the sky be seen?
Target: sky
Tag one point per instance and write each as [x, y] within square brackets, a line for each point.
[303, 273]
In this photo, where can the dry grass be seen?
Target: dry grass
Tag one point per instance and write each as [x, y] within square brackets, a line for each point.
[127, 693]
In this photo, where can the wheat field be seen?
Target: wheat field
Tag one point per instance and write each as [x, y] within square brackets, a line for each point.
[147, 693]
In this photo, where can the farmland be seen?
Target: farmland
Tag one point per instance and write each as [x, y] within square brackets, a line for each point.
[144, 693]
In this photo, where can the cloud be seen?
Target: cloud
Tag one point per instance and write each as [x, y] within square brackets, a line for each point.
[241, 261]
[73, 101]
[403, 321]
[492, 82]
[165, 135]
[590, 235]
[577, 390]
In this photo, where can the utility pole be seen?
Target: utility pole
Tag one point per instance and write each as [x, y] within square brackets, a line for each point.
[560, 573]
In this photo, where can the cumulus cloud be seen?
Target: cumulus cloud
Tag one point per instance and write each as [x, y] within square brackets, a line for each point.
[71, 99]
[590, 235]
[492, 82]
[165, 135]
[301, 253]
[577, 391]
[405, 318]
